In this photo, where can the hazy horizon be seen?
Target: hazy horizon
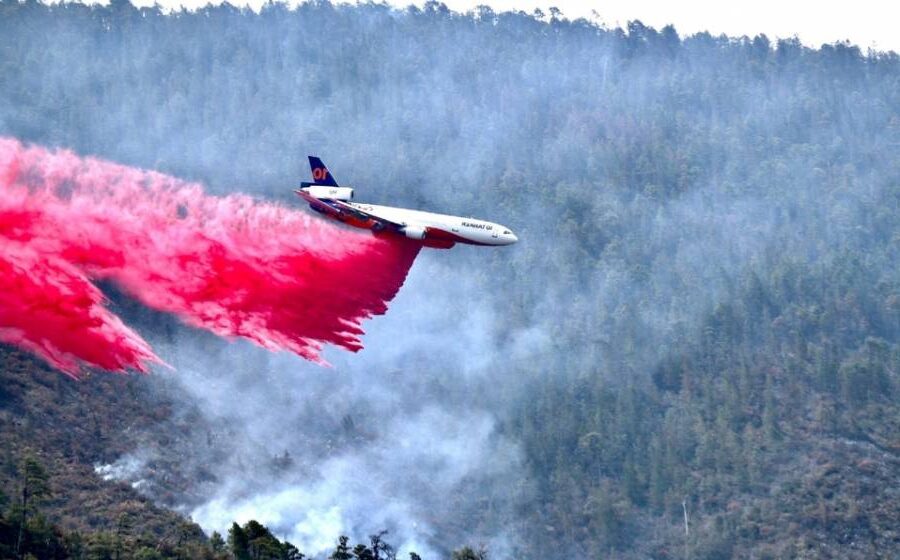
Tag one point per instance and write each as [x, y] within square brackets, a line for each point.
[833, 22]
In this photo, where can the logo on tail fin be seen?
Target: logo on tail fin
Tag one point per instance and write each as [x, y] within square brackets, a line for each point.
[320, 173]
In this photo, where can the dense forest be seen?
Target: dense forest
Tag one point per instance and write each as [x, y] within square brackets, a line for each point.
[692, 352]
[53, 507]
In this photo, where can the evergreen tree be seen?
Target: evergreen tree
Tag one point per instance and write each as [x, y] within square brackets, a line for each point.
[216, 543]
[34, 487]
[238, 543]
[342, 550]
[469, 553]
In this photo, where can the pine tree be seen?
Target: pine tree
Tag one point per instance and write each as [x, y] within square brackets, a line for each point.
[216, 542]
[362, 552]
[238, 542]
[469, 553]
[342, 551]
[35, 487]
[380, 549]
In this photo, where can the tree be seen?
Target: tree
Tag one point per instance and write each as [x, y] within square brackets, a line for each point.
[342, 551]
[147, 553]
[101, 546]
[290, 552]
[362, 552]
[216, 542]
[469, 553]
[381, 549]
[35, 487]
[238, 543]
[123, 526]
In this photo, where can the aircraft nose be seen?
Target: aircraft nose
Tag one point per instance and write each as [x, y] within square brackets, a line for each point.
[513, 238]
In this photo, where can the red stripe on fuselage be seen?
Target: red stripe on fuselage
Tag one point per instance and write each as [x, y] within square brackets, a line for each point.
[437, 233]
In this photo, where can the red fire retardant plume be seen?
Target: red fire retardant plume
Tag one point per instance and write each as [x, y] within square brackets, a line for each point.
[280, 277]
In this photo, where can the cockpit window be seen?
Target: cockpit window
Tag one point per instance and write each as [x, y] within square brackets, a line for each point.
[506, 232]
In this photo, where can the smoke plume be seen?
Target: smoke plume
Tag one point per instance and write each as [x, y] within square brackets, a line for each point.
[231, 265]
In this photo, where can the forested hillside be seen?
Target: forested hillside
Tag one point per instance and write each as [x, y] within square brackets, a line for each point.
[692, 352]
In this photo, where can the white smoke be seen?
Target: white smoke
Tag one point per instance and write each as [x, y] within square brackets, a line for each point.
[398, 437]
[127, 468]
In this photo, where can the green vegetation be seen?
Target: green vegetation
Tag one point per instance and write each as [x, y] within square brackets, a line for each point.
[32, 536]
[54, 509]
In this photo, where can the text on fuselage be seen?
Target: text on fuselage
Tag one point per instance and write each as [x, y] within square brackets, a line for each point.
[477, 226]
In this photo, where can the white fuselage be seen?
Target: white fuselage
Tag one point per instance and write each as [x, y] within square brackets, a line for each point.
[442, 226]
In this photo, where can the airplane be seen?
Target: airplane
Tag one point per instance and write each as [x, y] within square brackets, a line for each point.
[439, 231]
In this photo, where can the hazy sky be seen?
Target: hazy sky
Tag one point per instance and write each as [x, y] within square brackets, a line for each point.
[864, 22]
[867, 23]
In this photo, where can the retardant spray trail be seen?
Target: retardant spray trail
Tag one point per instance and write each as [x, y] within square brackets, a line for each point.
[237, 267]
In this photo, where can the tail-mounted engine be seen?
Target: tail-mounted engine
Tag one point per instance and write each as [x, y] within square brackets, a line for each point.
[333, 193]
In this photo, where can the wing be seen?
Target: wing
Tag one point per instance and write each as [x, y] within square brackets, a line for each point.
[342, 211]
[363, 215]
[316, 204]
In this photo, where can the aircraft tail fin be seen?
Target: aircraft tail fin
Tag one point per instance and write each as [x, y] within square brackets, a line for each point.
[320, 173]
